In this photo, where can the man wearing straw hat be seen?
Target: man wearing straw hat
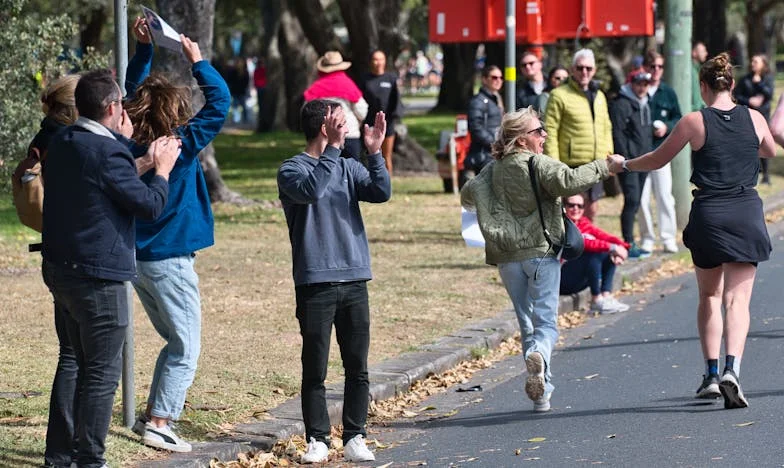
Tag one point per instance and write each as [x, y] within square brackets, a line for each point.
[333, 84]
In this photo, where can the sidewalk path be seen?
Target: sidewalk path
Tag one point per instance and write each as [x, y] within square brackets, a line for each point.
[396, 375]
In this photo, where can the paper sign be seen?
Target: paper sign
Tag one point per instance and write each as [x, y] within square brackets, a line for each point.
[470, 227]
[162, 34]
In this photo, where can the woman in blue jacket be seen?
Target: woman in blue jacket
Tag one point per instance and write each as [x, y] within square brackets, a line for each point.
[167, 283]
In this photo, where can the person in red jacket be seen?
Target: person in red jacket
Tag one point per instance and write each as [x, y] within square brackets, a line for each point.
[595, 268]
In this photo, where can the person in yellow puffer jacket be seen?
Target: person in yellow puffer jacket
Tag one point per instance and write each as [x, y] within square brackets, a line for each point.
[578, 123]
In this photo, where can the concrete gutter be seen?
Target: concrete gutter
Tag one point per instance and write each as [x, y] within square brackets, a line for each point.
[396, 375]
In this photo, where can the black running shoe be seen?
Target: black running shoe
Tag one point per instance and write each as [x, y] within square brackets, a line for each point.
[709, 388]
[730, 390]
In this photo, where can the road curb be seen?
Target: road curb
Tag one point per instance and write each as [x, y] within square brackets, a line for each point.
[397, 374]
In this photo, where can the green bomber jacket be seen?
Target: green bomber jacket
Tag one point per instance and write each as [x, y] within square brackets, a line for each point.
[504, 202]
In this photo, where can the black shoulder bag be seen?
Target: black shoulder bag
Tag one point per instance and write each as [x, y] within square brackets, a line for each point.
[572, 245]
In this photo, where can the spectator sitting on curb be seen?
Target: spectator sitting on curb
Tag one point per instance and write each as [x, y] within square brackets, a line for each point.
[595, 268]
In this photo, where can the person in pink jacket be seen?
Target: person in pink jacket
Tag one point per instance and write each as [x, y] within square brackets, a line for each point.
[595, 268]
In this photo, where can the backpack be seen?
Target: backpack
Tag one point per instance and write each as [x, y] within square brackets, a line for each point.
[28, 189]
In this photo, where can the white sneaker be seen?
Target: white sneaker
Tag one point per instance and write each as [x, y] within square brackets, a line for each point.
[608, 305]
[647, 245]
[164, 438]
[356, 450]
[138, 426]
[670, 246]
[317, 452]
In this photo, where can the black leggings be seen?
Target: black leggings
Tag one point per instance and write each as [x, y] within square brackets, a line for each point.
[632, 183]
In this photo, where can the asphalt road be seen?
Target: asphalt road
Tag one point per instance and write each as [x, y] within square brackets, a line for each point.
[624, 396]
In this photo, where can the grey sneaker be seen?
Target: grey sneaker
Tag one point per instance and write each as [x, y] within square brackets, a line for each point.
[164, 438]
[317, 452]
[730, 390]
[542, 405]
[356, 450]
[709, 389]
[534, 384]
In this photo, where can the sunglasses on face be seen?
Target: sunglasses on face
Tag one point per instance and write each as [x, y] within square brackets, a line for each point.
[539, 131]
[528, 64]
[569, 206]
[559, 78]
[583, 68]
[496, 77]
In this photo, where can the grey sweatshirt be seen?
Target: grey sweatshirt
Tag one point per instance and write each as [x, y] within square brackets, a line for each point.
[320, 199]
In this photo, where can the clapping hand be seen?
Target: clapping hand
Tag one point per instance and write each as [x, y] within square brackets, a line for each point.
[374, 135]
[141, 31]
[615, 163]
[335, 126]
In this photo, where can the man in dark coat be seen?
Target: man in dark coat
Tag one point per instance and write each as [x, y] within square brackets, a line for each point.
[632, 132]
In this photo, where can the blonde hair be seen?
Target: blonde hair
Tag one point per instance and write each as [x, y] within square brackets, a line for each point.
[158, 108]
[513, 126]
[717, 73]
[57, 99]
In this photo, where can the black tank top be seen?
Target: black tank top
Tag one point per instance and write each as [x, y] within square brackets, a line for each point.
[730, 157]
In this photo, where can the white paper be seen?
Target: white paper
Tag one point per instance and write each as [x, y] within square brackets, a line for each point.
[470, 226]
[162, 34]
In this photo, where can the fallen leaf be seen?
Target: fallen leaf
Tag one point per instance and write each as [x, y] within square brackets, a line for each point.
[537, 439]
[611, 436]
[417, 463]
[592, 376]
[409, 414]
[387, 465]
[533, 448]
[428, 408]
[744, 424]
[517, 452]
[531, 458]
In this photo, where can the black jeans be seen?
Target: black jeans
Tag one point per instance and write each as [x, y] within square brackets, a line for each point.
[591, 269]
[632, 183]
[91, 316]
[318, 307]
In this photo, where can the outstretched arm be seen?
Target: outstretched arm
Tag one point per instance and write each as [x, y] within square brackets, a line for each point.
[685, 131]
[207, 123]
[139, 65]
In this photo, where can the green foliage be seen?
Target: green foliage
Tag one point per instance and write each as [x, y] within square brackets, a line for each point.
[31, 54]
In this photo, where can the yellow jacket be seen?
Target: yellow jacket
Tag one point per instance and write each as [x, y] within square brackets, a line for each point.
[574, 137]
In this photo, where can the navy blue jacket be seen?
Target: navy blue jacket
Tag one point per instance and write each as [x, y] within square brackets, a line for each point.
[321, 198]
[93, 194]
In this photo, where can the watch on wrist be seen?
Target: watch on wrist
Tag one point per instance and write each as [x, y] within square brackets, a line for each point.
[623, 165]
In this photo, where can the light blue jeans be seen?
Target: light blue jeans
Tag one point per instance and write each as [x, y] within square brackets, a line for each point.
[169, 291]
[533, 287]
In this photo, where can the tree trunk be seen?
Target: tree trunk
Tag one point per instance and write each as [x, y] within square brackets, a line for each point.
[194, 18]
[756, 10]
[371, 24]
[286, 79]
[457, 85]
[710, 24]
[93, 21]
[316, 25]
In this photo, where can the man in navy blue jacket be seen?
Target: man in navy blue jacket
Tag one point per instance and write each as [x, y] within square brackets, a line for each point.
[93, 193]
[320, 192]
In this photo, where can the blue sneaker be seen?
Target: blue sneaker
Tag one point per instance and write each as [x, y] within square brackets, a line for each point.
[636, 252]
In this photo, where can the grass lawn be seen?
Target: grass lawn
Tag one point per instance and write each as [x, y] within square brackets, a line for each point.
[426, 284]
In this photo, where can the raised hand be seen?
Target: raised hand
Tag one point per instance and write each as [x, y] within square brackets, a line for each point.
[141, 31]
[374, 135]
[190, 49]
[335, 126]
[126, 127]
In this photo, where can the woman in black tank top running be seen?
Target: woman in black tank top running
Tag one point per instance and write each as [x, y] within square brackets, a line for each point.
[726, 233]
